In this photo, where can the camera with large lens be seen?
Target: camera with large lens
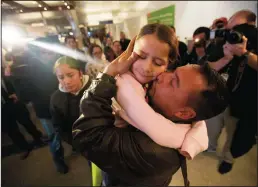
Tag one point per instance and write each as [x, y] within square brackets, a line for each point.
[231, 36]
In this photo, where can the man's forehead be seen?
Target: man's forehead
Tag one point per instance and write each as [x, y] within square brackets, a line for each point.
[193, 67]
[236, 20]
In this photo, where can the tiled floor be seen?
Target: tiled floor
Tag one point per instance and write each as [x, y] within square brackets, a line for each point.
[38, 170]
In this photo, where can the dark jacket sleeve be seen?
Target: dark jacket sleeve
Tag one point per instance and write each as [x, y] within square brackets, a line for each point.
[56, 115]
[8, 85]
[120, 151]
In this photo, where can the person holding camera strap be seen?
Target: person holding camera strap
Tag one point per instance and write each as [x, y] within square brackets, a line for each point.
[240, 118]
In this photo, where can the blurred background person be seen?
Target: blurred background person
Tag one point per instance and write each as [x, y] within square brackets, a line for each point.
[196, 49]
[95, 39]
[109, 42]
[109, 54]
[99, 62]
[33, 79]
[117, 48]
[240, 118]
[85, 39]
[70, 42]
[182, 47]
[14, 110]
[124, 41]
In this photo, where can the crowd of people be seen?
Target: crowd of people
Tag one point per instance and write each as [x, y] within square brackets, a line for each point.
[139, 108]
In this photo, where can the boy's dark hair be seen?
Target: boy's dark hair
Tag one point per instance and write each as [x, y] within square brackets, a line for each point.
[92, 47]
[164, 34]
[204, 30]
[212, 101]
[69, 37]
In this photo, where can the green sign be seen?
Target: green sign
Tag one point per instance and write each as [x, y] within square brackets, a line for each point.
[164, 16]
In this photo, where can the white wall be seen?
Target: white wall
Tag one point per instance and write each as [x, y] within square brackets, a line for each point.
[188, 15]
[192, 14]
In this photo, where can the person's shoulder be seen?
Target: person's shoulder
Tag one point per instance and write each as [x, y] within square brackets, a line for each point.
[57, 96]
[182, 44]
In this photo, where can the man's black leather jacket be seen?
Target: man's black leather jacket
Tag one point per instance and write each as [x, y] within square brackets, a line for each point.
[124, 153]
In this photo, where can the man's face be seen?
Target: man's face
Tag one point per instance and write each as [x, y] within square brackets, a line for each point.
[117, 48]
[122, 35]
[200, 51]
[97, 53]
[71, 43]
[171, 91]
[199, 36]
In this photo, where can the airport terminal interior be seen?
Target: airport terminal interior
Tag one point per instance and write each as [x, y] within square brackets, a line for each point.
[53, 50]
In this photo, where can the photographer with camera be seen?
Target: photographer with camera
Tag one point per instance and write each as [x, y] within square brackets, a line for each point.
[196, 49]
[240, 55]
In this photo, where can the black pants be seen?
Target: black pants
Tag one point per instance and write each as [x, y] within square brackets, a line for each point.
[13, 112]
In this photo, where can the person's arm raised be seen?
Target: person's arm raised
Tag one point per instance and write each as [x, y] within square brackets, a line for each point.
[143, 117]
[240, 50]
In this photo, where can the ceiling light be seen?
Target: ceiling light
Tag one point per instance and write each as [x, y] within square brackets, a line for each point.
[100, 17]
[123, 14]
[67, 27]
[21, 10]
[65, 4]
[92, 22]
[68, 7]
[34, 2]
[39, 5]
[45, 8]
[37, 24]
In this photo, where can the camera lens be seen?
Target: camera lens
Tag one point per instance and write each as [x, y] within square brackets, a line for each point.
[234, 37]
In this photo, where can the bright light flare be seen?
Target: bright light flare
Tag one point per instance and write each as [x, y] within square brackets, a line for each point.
[11, 34]
[63, 50]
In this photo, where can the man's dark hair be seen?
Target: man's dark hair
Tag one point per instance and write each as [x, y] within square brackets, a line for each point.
[69, 37]
[213, 100]
[204, 30]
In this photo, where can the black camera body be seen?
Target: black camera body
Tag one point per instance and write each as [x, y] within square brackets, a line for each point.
[199, 43]
[231, 36]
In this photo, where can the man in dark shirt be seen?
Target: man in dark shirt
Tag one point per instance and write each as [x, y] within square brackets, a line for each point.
[124, 41]
[14, 110]
[70, 42]
[129, 156]
[196, 54]
[242, 83]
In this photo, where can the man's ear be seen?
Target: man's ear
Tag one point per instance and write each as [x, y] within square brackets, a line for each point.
[185, 113]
